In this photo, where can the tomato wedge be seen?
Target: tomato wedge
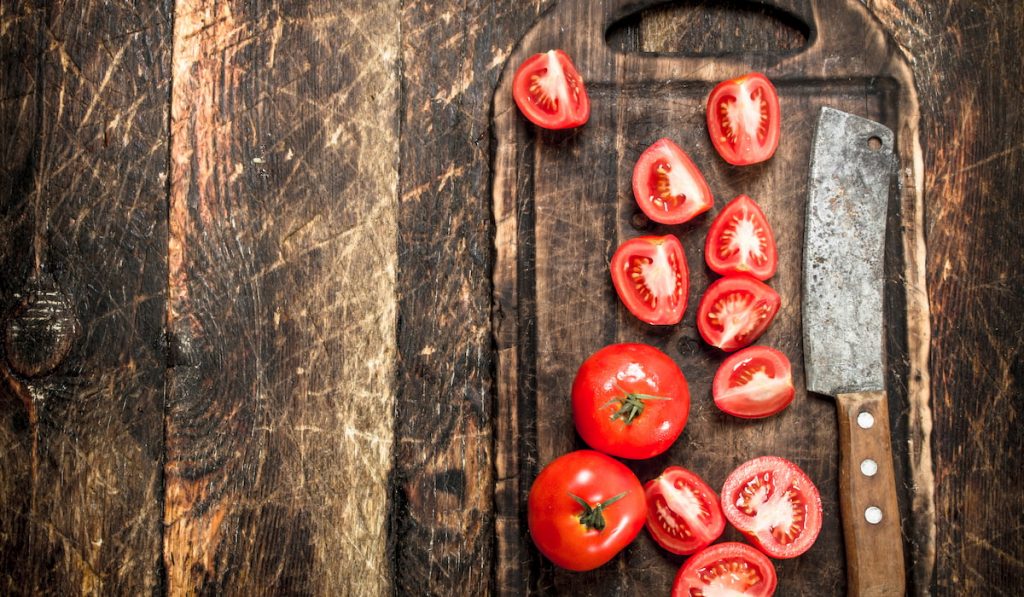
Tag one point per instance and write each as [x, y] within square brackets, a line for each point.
[740, 241]
[753, 383]
[550, 92]
[735, 311]
[652, 279]
[743, 119]
[683, 513]
[775, 504]
[630, 401]
[726, 569]
[584, 508]
[668, 186]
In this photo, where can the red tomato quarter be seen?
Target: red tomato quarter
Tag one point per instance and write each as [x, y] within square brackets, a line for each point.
[740, 241]
[775, 504]
[667, 185]
[726, 569]
[630, 401]
[743, 119]
[683, 513]
[583, 508]
[735, 310]
[753, 383]
[549, 91]
[652, 279]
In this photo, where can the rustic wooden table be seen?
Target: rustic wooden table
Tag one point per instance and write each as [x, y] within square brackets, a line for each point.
[247, 251]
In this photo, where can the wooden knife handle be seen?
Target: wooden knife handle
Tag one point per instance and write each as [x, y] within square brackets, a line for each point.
[867, 495]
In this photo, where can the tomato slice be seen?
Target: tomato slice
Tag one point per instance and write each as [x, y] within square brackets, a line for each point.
[731, 569]
[652, 279]
[743, 119]
[584, 508]
[753, 383]
[550, 92]
[740, 241]
[735, 311]
[668, 186]
[683, 513]
[630, 401]
[775, 504]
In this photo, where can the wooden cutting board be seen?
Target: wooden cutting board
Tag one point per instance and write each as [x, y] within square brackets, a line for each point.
[563, 203]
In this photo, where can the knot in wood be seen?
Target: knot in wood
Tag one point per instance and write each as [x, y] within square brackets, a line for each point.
[41, 329]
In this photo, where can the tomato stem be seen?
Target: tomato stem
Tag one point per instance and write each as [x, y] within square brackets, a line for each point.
[631, 405]
[592, 516]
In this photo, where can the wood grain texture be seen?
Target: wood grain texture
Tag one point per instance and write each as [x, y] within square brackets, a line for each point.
[83, 162]
[554, 300]
[967, 56]
[281, 308]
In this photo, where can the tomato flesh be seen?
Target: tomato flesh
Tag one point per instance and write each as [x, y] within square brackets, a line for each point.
[630, 401]
[652, 279]
[774, 503]
[683, 512]
[550, 92]
[735, 311]
[743, 119]
[557, 509]
[740, 241]
[726, 569]
[667, 185]
[753, 383]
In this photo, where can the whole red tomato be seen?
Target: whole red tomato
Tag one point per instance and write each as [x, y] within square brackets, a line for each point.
[630, 401]
[584, 508]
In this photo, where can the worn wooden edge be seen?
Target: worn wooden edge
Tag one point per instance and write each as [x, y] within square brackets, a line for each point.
[510, 134]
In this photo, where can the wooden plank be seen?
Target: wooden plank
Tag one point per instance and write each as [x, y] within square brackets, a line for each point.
[281, 311]
[83, 162]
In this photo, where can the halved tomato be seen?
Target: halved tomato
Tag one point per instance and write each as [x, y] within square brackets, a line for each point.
[549, 91]
[726, 569]
[743, 119]
[753, 383]
[683, 513]
[652, 279]
[735, 311]
[667, 185]
[630, 401]
[774, 503]
[740, 241]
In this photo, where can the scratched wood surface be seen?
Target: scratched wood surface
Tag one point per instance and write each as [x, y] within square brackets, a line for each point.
[85, 185]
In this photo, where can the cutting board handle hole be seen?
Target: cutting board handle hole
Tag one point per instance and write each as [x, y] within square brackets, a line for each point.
[874, 143]
[708, 28]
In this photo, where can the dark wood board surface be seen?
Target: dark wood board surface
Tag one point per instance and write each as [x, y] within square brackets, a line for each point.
[88, 192]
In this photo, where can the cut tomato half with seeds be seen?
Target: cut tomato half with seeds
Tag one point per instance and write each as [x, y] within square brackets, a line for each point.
[774, 503]
[668, 186]
[740, 241]
[683, 512]
[743, 119]
[726, 569]
[753, 383]
[652, 279]
[549, 91]
[735, 311]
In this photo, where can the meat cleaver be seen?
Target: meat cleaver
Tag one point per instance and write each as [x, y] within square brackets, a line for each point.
[852, 169]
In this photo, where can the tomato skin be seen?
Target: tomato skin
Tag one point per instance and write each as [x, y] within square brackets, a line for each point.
[743, 119]
[743, 569]
[658, 296]
[735, 311]
[600, 390]
[740, 241]
[679, 499]
[554, 515]
[768, 388]
[662, 175]
[766, 487]
[550, 92]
